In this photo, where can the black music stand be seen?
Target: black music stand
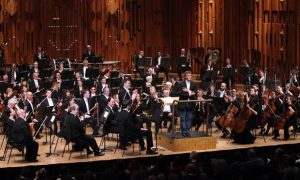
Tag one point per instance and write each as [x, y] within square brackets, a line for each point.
[166, 63]
[49, 121]
[114, 74]
[247, 73]
[147, 62]
[210, 75]
[136, 83]
[67, 74]
[140, 62]
[229, 74]
[95, 59]
[88, 83]
[67, 84]
[44, 63]
[95, 72]
[46, 73]
[115, 82]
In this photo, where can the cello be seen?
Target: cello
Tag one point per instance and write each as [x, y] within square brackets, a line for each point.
[279, 124]
[228, 119]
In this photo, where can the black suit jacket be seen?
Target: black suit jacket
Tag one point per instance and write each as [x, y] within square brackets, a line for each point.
[82, 106]
[204, 69]
[32, 87]
[102, 102]
[124, 95]
[21, 133]
[10, 76]
[28, 106]
[129, 127]
[185, 96]
[76, 127]
[44, 106]
[77, 92]
[9, 129]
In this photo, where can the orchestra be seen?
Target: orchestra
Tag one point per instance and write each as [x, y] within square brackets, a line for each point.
[30, 103]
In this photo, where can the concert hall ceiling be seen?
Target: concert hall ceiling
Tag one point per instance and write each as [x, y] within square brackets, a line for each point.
[266, 32]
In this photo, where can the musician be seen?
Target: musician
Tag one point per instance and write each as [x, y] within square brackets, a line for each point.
[22, 137]
[139, 67]
[132, 130]
[175, 86]
[186, 92]
[10, 107]
[78, 133]
[212, 92]
[160, 67]
[11, 114]
[278, 102]
[253, 102]
[85, 108]
[8, 95]
[182, 65]
[30, 107]
[85, 70]
[207, 67]
[117, 106]
[78, 89]
[39, 55]
[147, 84]
[199, 112]
[227, 78]
[103, 99]
[5, 84]
[209, 55]
[222, 92]
[103, 84]
[294, 79]
[78, 77]
[109, 117]
[291, 121]
[167, 111]
[151, 72]
[124, 92]
[13, 75]
[88, 53]
[36, 84]
[60, 68]
[137, 109]
[48, 110]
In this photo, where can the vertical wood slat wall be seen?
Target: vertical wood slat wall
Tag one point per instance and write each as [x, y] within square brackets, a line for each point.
[266, 32]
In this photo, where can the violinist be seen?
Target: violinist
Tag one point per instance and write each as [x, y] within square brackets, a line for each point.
[109, 117]
[86, 107]
[103, 98]
[75, 130]
[138, 108]
[36, 84]
[10, 107]
[11, 114]
[78, 89]
[22, 137]
[48, 109]
[103, 84]
[125, 93]
[30, 108]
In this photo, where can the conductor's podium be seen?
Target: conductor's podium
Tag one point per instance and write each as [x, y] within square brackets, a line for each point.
[197, 141]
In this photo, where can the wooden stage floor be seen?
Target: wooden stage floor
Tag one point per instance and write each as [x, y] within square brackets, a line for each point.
[222, 144]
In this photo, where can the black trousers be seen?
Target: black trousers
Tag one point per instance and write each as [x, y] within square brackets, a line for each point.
[165, 118]
[32, 148]
[148, 134]
[288, 124]
[94, 124]
[221, 127]
[86, 142]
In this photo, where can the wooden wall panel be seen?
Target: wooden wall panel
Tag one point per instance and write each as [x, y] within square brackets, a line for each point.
[266, 32]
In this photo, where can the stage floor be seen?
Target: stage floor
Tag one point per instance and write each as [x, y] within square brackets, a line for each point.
[222, 144]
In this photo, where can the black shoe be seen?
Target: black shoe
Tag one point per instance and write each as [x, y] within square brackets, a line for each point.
[262, 131]
[143, 148]
[188, 134]
[151, 152]
[275, 136]
[89, 152]
[33, 160]
[122, 148]
[100, 153]
[183, 134]
[225, 134]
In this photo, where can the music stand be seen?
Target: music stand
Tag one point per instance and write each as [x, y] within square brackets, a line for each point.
[88, 83]
[67, 74]
[229, 74]
[95, 59]
[67, 84]
[158, 81]
[115, 82]
[48, 124]
[210, 75]
[166, 63]
[114, 74]
[138, 82]
[44, 63]
[140, 62]
[247, 72]
[95, 72]
[46, 73]
[147, 61]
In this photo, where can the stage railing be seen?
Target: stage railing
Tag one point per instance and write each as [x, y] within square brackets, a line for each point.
[176, 102]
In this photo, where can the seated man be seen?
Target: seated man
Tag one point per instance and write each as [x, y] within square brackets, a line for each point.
[22, 137]
[132, 130]
[77, 131]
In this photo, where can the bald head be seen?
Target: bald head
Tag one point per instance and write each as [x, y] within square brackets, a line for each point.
[29, 95]
[21, 113]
